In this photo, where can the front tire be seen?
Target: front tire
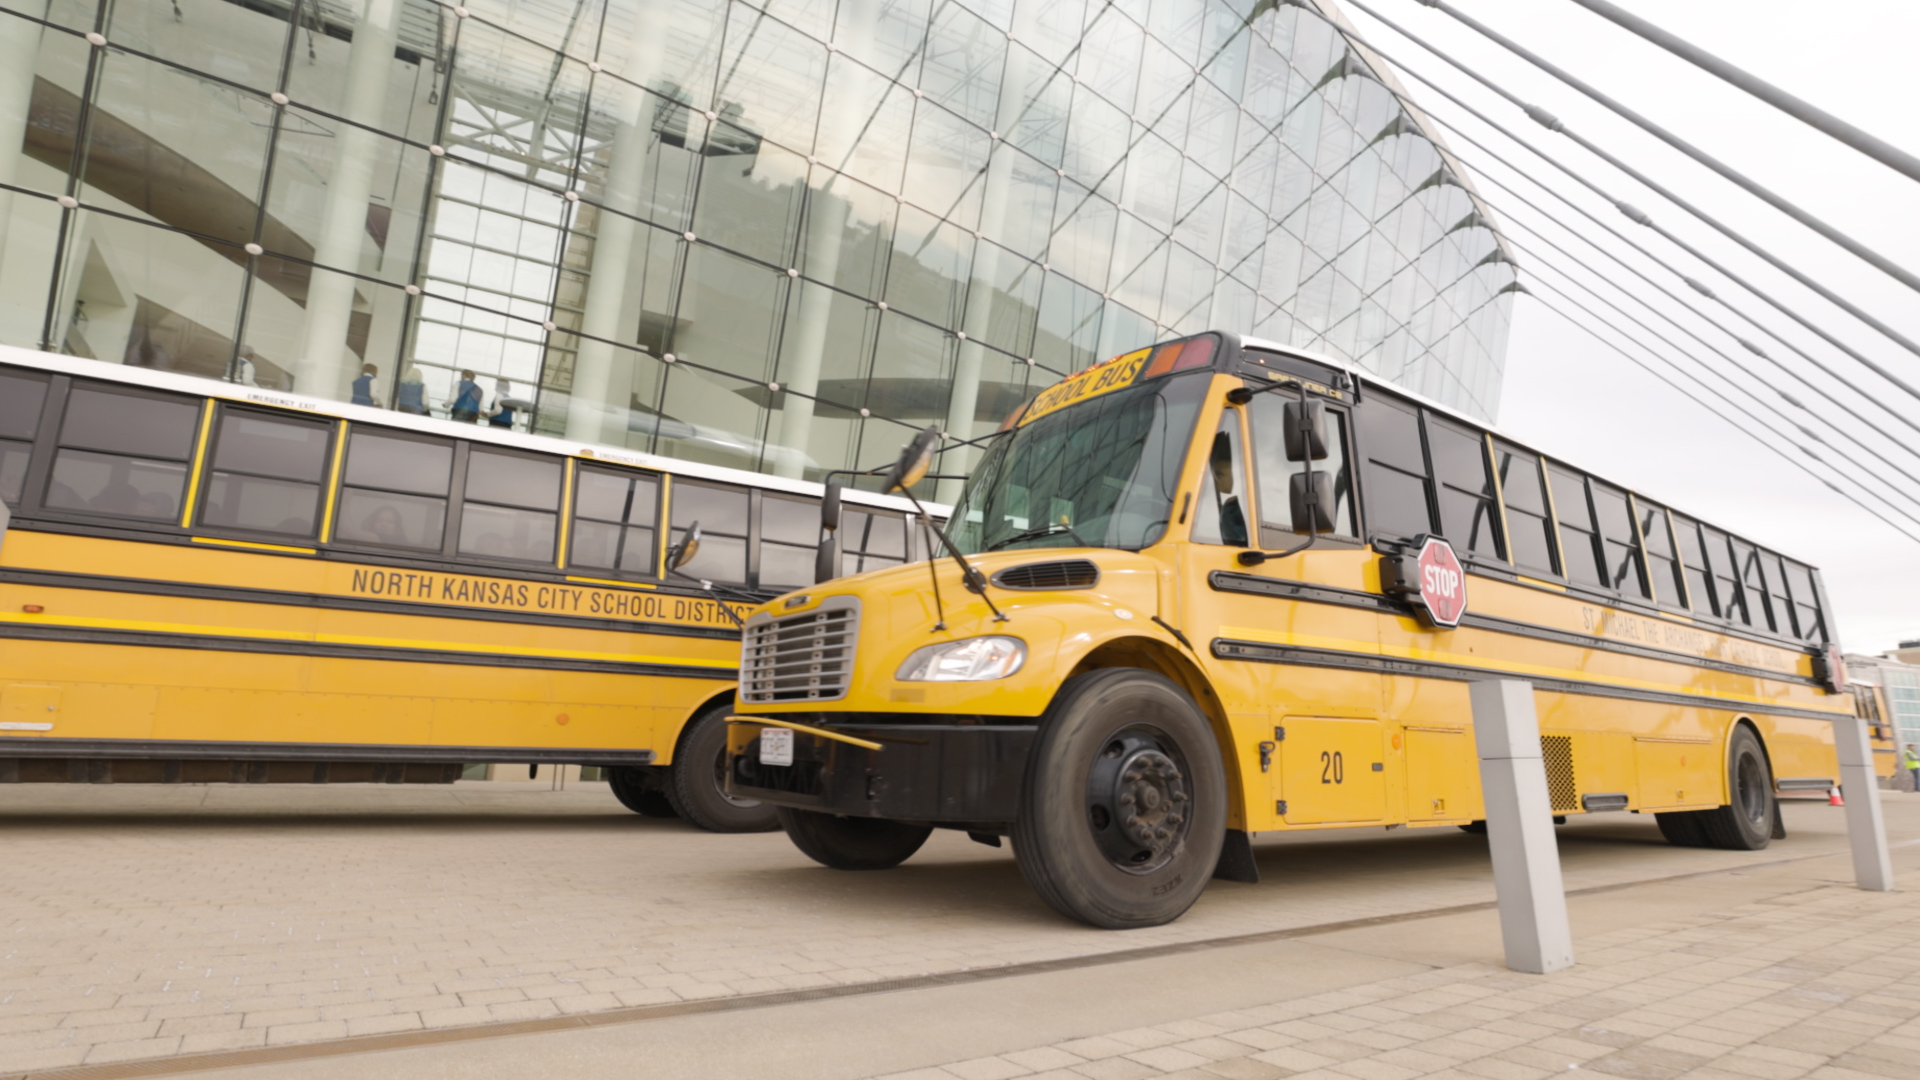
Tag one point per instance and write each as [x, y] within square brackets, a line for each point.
[852, 843]
[1123, 811]
[639, 790]
[696, 782]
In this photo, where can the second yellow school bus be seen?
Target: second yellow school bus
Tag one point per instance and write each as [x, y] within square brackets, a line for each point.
[1186, 606]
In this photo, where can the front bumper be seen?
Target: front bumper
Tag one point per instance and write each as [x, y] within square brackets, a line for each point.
[950, 773]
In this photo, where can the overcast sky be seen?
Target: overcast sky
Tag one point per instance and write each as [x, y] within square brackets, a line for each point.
[1575, 398]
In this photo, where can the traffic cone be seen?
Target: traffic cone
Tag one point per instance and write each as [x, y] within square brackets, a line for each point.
[1833, 797]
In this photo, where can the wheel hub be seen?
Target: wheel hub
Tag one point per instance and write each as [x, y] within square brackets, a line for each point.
[1137, 802]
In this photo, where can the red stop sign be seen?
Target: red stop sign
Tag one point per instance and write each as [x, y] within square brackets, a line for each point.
[1443, 583]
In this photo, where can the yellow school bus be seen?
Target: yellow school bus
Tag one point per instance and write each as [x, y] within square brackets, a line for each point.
[1198, 592]
[205, 581]
[1870, 705]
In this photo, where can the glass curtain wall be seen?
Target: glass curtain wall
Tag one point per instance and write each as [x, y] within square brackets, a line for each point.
[775, 235]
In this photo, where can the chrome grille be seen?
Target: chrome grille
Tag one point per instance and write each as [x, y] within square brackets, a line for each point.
[804, 657]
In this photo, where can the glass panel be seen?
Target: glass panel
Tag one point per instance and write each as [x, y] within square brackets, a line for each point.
[1726, 578]
[783, 566]
[1532, 532]
[1467, 512]
[789, 521]
[391, 520]
[1578, 541]
[1390, 434]
[1616, 534]
[513, 479]
[271, 446]
[120, 486]
[722, 514]
[13, 470]
[396, 464]
[1753, 578]
[1275, 473]
[495, 532]
[261, 504]
[20, 399]
[1698, 573]
[130, 424]
[602, 496]
[1806, 601]
[1669, 584]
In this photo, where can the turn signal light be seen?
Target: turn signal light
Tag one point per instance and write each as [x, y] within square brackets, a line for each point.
[32, 609]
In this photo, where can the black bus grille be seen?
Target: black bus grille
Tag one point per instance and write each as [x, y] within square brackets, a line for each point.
[1062, 574]
[805, 657]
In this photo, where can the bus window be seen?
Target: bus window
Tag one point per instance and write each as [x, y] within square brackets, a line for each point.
[614, 514]
[396, 491]
[511, 508]
[1531, 528]
[871, 541]
[1699, 574]
[1619, 549]
[1806, 602]
[789, 536]
[20, 399]
[1274, 472]
[1753, 578]
[1726, 579]
[1396, 472]
[1578, 541]
[1467, 512]
[123, 454]
[266, 473]
[1221, 515]
[1669, 585]
[722, 514]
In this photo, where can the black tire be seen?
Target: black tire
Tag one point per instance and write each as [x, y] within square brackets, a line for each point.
[1477, 828]
[852, 843]
[640, 790]
[1746, 824]
[1124, 808]
[1682, 828]
[694, 781]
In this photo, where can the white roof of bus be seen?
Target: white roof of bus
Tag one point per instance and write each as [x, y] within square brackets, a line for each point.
[202, 386]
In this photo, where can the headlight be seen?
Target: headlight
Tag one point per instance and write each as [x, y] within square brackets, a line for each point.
[972, 660]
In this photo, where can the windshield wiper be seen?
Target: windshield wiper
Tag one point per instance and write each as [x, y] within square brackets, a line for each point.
[1036, 533]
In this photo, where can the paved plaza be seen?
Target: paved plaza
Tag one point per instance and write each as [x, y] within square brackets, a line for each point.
[495, 929]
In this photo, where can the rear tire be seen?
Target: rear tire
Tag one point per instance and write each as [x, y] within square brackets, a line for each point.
[852, 843]
[695, 781]
[1123, 810]
[639, 790]
[1682, 828]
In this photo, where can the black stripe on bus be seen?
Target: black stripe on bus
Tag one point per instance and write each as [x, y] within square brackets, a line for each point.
[222, 643]
[280, 597]
[157, 749]
[1228, 581]
[1262, 652]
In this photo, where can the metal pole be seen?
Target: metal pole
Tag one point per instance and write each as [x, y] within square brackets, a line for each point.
[1866, 827]
[1526, 856]
[1814, 117]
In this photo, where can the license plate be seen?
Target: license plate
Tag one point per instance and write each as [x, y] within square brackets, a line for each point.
[776, 746]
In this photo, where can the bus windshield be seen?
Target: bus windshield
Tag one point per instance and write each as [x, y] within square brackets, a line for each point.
[1101, 473]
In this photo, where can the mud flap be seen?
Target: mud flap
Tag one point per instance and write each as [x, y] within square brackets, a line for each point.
[1779, 823]
[1236, 860]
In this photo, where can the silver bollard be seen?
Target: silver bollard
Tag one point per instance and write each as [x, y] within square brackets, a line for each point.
[1866, 828]
[1526, 856]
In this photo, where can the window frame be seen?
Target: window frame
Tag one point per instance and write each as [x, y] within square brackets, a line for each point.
[210, 450]
[456, 486]
[1503, 554]
[52, 403]
[47, 447]
[457, 504]
[570, 519]
[1251, 475]
[1366, 460]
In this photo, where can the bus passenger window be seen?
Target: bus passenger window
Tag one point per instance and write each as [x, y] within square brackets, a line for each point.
[1753, 581]
[1669, 585]
[1806, 602]
[511, 508]
[395, 493]
[1698, 572]
[1726, 578]
[722, 514]
[1220, 516]
[1274, 471]
[1578, 541]
[20, 399]
[1396, 470]
[1532, 530]
[1620, 552]
[871, 541]
[789, 536]
[1783, 597]
[1468, 517]
[613, 522]
[123, 454]
[266, 473]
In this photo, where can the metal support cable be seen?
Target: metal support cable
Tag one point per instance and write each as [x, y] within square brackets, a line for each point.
[1729, 380]
[1807, 113]
[1749, 432]
[1552, 123]
[1727, 172]
[1633, 214]
[1684, 303]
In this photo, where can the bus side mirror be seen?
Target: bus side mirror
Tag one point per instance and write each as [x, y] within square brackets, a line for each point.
[1313, 515]
[826, 559]
[830, 507]
[915, 459]
[683, 552]
[1305, 425]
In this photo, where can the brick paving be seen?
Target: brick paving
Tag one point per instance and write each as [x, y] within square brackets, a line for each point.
[145, 922]
[1821, 983]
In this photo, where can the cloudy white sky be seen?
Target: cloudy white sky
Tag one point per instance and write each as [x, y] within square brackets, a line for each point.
[1573, 397]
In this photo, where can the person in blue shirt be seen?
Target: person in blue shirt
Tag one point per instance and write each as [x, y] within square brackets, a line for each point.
[411, 395]
[363, 386]
[502, 414]
[465, 403]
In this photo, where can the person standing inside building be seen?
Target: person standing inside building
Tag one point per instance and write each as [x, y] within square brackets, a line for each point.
[363, 386]
[465, 403]
[502, 414]
[1911, 762]
[411, 395]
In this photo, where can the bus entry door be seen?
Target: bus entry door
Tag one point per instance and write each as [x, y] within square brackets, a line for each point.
[1331, 770]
